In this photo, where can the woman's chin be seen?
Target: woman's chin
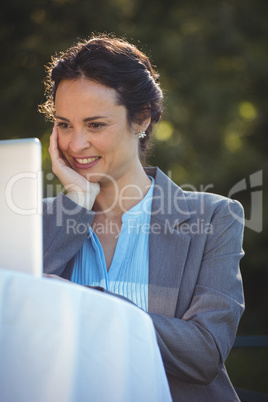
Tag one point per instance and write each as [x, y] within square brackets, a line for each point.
[101, 178]
[93, 177]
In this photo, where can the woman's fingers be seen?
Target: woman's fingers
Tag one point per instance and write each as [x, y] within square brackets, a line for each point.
[53, 147]
[57, 160]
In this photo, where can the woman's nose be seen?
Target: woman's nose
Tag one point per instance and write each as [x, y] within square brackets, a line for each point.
[79, 142]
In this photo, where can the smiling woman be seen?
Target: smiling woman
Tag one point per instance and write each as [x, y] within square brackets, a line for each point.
[132, 231]
[93, 131]
[116, 64]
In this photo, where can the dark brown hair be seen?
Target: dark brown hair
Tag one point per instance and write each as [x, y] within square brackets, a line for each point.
[117, 64]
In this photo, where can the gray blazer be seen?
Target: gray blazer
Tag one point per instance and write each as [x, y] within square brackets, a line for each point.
[195, 296]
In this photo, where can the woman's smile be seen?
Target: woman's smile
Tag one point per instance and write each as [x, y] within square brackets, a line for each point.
[86, 163]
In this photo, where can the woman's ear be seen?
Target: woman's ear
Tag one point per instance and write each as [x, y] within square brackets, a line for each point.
[145, 118]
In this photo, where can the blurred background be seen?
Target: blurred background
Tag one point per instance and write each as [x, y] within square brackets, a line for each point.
[213, 61]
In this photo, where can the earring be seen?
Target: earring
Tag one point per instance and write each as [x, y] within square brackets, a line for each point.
[142, 134]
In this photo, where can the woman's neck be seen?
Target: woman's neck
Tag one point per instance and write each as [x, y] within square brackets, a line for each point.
[116, 198]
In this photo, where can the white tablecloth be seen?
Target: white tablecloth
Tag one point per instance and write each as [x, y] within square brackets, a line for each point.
[65, 343]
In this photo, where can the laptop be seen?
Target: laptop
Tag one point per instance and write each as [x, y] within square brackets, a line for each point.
[21, 240]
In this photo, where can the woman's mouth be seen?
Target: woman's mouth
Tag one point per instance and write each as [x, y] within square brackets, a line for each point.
[85, 163]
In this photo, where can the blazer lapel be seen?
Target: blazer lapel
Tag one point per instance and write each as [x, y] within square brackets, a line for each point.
[168, 248]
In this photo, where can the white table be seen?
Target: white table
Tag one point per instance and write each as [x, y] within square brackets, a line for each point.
[65, 343]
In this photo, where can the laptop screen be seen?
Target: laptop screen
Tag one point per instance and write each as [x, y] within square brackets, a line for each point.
[21, 205]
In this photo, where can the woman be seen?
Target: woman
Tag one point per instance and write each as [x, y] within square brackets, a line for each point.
[132, 231]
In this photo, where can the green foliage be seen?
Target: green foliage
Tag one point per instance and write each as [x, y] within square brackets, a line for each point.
[212, 58]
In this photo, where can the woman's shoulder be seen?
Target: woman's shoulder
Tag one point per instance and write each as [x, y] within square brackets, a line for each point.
[215, 204]
[212, 199]
[197, 202]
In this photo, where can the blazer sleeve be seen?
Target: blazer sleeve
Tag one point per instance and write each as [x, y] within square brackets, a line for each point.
[65, 228]
[195, 346]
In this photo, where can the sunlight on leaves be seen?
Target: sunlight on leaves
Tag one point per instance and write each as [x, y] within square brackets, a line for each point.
[232, 141]
[247, 111]
[164, 131]
[179, 174]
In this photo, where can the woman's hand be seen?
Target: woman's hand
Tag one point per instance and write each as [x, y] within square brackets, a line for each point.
[78, 188]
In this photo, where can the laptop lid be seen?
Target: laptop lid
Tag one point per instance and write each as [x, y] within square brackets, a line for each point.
[21, 240]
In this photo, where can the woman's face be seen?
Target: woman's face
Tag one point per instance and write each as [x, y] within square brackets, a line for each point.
[93, 132]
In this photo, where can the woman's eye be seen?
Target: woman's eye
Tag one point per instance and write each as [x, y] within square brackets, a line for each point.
[95, 125]
[63, 125]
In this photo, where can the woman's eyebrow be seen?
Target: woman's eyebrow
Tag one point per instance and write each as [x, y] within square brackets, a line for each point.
[85, 120]
[94, 118]
[61, 118]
